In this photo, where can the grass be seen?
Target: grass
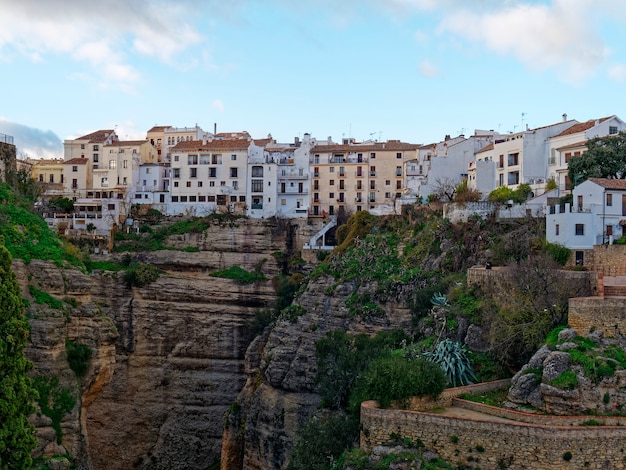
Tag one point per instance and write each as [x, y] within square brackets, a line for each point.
[240, 275]
[566, 381]
[492, 398]
[41, 297]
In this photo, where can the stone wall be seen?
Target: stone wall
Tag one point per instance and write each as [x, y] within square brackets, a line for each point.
[598, 313]
[607, 259]
[499, 442]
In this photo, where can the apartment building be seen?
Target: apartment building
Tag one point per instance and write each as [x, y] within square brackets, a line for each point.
[520, 157]
[49, 174]
[358, 176]
[209, 175]
[572, 142]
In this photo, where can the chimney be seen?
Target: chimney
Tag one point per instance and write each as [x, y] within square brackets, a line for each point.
[215, 128]
[564, 117]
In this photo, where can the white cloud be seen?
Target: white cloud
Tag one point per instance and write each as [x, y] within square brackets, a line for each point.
[617, 72]
[96, 32]
[558, 35]
[32, 142]
[218, 105]
[428, 70]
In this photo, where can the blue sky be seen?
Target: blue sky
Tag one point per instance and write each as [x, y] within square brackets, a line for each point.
[413, 70]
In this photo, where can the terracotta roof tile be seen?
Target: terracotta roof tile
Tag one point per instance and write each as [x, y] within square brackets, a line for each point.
[487, 147]
[98, 136]
[610, 183]
[581, 126]
[199, 145]
[369, 147]
[159, 128]
[76, 161]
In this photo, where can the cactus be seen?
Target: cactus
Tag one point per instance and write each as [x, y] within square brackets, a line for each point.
[452, 358]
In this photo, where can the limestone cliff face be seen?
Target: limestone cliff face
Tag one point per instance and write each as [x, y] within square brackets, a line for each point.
[281, 366]
[167, 358]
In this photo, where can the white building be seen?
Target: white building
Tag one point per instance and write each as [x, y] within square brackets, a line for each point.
[596, 216]
[572, 142]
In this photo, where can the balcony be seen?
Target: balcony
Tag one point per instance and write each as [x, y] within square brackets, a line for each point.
[372, 173]
[256, 206]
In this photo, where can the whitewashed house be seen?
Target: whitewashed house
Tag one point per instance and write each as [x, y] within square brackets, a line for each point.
[596, 216]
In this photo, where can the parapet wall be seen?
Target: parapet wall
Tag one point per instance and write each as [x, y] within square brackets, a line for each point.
[598, 313]
[494, 442]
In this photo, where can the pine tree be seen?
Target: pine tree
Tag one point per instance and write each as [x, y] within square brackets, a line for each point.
[17, 435]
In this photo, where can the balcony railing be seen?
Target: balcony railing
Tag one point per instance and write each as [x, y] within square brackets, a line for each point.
[256, 206]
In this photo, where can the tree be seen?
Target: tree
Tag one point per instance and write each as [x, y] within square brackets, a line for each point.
[445, 188]
[605, 158]
[17, 435]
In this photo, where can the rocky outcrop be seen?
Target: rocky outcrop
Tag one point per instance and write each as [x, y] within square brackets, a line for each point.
[281, 366]
[167, 359]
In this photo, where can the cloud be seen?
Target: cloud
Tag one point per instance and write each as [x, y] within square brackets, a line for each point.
[218, 105]
[617, 72]
[35, 143]
[428, 70]
[96, 33]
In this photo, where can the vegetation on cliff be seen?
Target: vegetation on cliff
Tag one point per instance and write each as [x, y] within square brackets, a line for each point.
[17, 435]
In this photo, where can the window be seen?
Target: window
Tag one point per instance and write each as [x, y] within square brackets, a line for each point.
[125, 165]
[74, 183]
[609, 199]
[331, 195]
[233, 199]
[257, 171]
[175, 158]
[211, 184]
[331, 182]
[174, 198]
[233, 158]
[257, 186]
[316, 197]
[233, 172]
[331, 169]
[111, 207]
[193, 172]
[192, 159]
[82, 146]
[235, 185]
[41, 178]
[398, 184]
[95, 157]
[342, 171]
[124, 181]
[176, 173]
[387, 195]
[342, 184]
[316, 158]
[372, 196]
[199, 184]
[176, 184]
[222, 183]
[188, 184]
[612, 130]
[183, 199]
[373, 155]
[242, 198]
[74, 168]
[398, 154]
[609, 230]
[316, 171]
[556, 230]
[372, 171]
[283, 202]
[580, 229]
[212, 172]
[372, 184]
[96, 148]
[398, 171]
[192, 198]
[104, 182]
[387, 182]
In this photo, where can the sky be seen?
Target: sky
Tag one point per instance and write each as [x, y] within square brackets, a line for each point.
[413, 70]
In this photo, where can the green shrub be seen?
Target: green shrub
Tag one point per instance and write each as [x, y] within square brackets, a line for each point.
[591, 422]
[240, 275]
[140, 274]
[394, 378]
[567, 456]
[559, 253]
[321, 440]
[566, 381]
[54, 401]
[78, 357]
[41, 297]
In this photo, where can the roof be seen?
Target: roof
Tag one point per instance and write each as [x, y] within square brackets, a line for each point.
[126, 143]
[233, 135]
[487, 147]
[76, 161]
[611, 183]
[582, 143]
[198, 145]
[367, 146]
[98, 136]
[262, 142]
[159, 128]
[582, 126]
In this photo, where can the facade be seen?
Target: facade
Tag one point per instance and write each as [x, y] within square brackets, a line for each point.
[49, 174]
[596, 216]
[572, 142]
[358, 176]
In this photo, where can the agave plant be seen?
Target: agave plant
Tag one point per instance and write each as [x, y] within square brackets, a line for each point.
[439, 300]
[452, 358]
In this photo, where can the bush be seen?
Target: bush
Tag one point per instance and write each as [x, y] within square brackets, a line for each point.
[559, 253]
[321, 440]
[78, 357]
[54, 401]
[395, 378]
[140, 274]
[41, 297]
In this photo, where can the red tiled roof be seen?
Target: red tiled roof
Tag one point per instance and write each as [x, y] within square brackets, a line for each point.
[198, 145]
[76, 161]
[582, 143]
[610, 183]
[390, 145]
[98, 136]
[159, 128]
[581, 126]
[487, 147]
[262, 142]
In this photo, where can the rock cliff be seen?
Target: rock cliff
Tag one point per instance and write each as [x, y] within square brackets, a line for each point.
[281, 365]
[167, 358]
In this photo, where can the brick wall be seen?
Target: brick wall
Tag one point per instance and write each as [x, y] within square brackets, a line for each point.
[607, 259]
[492, 443]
